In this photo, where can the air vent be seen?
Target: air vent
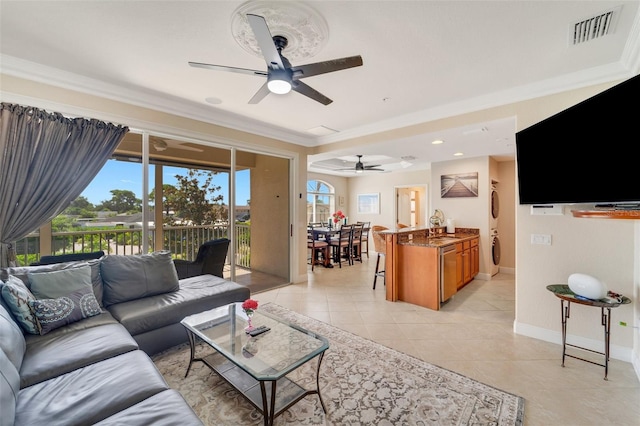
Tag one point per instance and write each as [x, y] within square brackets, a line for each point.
[594, 27]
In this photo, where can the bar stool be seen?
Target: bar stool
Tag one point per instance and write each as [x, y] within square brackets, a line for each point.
[381, 248]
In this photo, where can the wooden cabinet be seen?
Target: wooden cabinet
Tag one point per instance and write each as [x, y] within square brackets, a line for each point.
[459, 267]
[467, 261]
[475, 257]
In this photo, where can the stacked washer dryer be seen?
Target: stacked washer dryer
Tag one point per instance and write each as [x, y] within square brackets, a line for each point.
[495, 240]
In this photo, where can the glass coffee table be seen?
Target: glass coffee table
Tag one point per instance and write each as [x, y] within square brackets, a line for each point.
[257, 365]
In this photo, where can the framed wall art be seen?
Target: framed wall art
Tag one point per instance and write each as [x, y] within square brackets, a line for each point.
[459, 185]
[369, 203]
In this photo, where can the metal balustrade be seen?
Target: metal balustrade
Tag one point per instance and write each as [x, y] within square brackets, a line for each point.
[182, 241]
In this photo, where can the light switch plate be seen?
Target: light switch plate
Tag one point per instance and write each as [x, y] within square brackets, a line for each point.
[543, 239]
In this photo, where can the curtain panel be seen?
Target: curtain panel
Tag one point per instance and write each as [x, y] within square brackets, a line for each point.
[46, 161]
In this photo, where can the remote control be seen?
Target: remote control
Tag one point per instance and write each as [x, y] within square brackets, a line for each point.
[262, 327]
[259, 330]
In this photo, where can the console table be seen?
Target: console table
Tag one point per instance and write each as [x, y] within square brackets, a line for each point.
[567, 296]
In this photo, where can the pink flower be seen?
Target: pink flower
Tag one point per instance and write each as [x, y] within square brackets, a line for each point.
[338, 216]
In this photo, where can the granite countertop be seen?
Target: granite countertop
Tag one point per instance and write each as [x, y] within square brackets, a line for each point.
[441, 240]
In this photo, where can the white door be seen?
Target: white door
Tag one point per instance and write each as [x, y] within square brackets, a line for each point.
[404, 204]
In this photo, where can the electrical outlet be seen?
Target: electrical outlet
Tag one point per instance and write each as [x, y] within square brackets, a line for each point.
[541, 239]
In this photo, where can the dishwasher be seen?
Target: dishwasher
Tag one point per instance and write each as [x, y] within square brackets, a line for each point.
[448, 284]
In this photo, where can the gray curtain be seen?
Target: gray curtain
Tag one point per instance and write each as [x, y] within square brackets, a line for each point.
[46, 161]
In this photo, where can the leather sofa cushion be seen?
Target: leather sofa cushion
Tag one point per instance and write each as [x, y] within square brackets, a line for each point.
[12, 341]
[9, 389]
[196, 294]
[64, 350]
[12, 348]
[128, 278]
[90, 394]
[166, 408]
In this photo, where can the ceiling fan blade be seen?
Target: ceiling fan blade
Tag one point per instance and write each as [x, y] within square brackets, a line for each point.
[260, 94]
[309, 70]
[371, 167]
[231, 69]
[265, 41]
[310, 92]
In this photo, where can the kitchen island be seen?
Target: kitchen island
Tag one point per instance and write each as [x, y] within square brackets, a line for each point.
[426, 266]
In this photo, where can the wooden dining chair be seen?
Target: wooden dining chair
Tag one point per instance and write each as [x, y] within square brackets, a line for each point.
[381, 248]
[319, 250]
[364, 241]
[341, 244]
[355, 250]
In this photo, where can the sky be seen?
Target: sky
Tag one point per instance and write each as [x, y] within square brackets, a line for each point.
[128, 176]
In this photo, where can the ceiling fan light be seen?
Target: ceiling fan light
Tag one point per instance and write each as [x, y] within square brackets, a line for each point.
[278, 85]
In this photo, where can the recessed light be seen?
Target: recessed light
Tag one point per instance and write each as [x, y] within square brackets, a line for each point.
[213, 101]
[437, 142]
[458, 154]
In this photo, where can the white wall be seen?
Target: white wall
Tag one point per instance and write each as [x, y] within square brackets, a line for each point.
[384, 184]
[603, 248]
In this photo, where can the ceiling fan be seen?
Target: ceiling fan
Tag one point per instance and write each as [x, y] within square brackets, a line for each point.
[360, 167]
[162, 145]
[281, 76]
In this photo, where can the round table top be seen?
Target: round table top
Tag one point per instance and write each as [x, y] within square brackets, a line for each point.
[611, 301]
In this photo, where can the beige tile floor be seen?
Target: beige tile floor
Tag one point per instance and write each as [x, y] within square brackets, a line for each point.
[471, 335]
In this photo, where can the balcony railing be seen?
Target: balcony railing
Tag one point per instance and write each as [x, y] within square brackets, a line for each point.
[182, 241]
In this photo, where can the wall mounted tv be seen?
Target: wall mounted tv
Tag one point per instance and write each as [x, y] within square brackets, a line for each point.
[585, 154]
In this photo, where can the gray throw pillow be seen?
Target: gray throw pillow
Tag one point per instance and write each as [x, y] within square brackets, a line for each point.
[23, 272]
[54, 284]
[17, 296]
[55, 313]
[133, 277]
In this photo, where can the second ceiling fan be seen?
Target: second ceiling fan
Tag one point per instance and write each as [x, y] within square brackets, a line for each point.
[359, 167]
[281, 76]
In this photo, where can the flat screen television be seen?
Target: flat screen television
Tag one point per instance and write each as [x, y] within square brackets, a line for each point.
[585, 154]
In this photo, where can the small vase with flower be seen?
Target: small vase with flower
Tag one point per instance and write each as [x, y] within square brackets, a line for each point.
[249, 306]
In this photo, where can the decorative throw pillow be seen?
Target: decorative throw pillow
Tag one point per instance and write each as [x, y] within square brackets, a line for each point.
[55, 313]
[54, 284]
[23, 272]
[17, 296]
[133, 277]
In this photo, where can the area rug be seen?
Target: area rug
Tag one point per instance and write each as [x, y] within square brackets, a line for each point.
[361, 382]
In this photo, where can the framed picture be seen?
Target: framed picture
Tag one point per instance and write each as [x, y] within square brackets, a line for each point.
[459, 185]
[369, 203]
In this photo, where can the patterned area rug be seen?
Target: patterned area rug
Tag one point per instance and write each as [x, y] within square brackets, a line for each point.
[361, 382]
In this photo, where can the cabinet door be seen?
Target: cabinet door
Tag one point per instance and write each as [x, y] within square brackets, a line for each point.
[466, 265]
[459, 268]
[475, 261]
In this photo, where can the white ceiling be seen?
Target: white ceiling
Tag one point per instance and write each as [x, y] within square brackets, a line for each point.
[423, 60]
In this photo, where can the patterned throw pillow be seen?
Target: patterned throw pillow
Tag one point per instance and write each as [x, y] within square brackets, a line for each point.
[55, 313]
[17, 296]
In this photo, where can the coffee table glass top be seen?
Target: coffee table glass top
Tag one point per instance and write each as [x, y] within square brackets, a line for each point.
[267, 356]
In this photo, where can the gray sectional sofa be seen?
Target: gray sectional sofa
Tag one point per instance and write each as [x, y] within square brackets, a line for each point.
[75, 339]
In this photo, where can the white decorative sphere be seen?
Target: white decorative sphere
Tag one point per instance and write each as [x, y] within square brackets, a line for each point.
[587, 286]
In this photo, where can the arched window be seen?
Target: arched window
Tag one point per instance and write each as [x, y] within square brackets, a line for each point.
[320, 201]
